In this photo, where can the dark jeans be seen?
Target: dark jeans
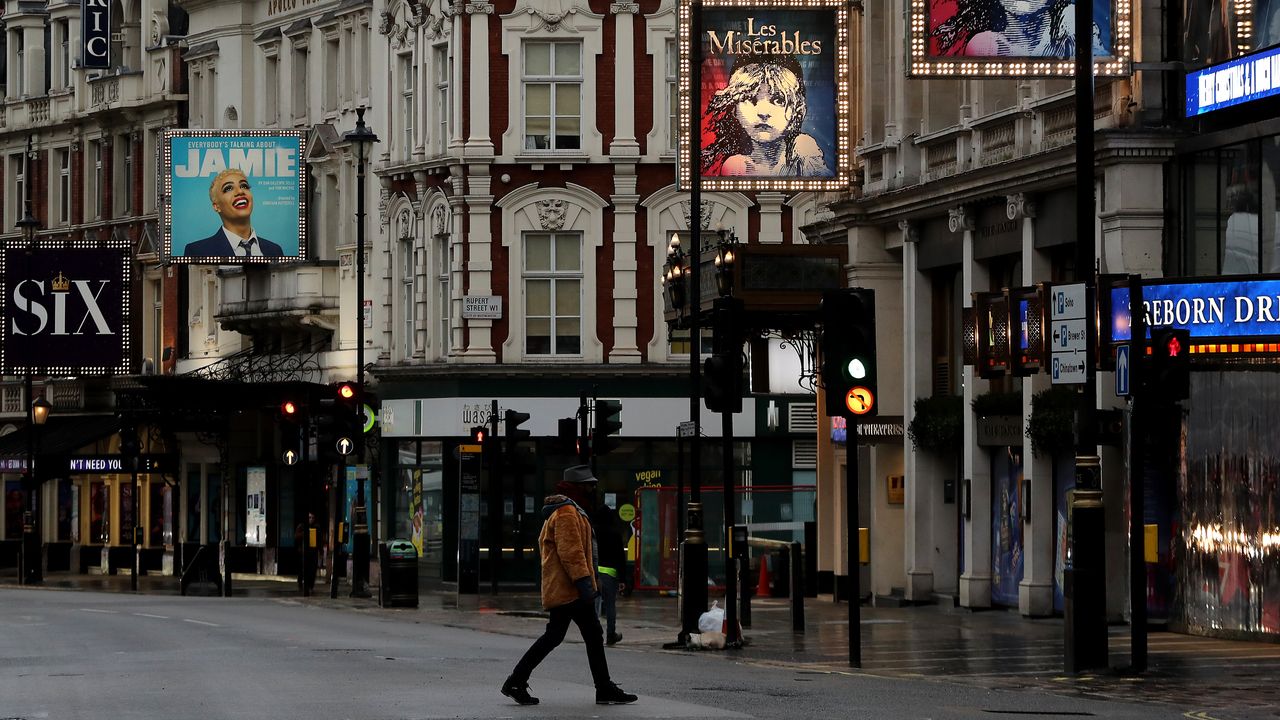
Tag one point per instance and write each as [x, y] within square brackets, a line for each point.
[607, 602]
[581, 612]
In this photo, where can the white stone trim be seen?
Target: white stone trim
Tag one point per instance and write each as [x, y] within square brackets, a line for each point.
[584, 214]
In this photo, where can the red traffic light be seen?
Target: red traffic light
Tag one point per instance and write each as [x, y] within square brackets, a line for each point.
[1173, 346]
[346, 391]
[289, 408]
[477, 434]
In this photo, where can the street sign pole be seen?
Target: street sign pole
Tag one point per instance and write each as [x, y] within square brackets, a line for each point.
[1137, 480]
[853, 552]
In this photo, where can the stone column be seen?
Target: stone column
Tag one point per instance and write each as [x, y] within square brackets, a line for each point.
[626, 321]
[479, 263]
[1035, 591]
[975, 581]
[478, 143]
[624, 80]
[923, 479]
[770, 218]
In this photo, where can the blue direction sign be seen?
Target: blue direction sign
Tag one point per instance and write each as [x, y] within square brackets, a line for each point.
[1122, 370]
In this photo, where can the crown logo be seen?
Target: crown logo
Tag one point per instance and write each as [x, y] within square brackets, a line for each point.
[61, 283]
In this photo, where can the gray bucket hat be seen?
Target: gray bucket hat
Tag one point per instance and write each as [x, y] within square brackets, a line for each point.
[579, 474]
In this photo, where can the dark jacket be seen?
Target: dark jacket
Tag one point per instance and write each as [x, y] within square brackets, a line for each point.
[217, 245]
[612, 535]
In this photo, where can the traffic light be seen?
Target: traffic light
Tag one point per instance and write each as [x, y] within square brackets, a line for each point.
[336, 423]
[478, 434]
[130, 446]
[722, 372]
[567, 435]
[848, 344]
[608, 421]
[514, 432]
[1169, 372]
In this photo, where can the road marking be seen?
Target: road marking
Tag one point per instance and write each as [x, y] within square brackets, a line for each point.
[200, 622]
[104, 612]
[158, 617]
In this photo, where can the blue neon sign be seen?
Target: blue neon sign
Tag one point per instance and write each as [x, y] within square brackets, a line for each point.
[1245, 308]
[1235, 82]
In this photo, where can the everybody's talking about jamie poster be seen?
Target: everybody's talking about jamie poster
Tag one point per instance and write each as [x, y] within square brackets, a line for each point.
[771, 96]
[234, 196]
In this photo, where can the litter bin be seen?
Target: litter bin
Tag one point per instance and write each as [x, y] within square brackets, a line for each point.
[398, 560]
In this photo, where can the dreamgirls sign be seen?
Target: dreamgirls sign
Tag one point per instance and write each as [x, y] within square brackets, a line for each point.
[66, 308]
[235, 196]
[1013, 38]
[1243, 310]
[774, 101]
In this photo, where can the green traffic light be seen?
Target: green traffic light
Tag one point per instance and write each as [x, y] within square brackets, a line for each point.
[857, 370]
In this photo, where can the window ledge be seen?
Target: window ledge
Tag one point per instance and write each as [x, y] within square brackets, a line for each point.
[553, 156]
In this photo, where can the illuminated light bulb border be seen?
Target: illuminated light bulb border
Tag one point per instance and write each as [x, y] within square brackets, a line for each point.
[125, 248]
[166, 204]
[920, 64]
[686, 158]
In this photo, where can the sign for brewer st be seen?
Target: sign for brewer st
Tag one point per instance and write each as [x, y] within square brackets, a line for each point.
[95, 34]
[234, 196]
[65, 308]
[774, 98]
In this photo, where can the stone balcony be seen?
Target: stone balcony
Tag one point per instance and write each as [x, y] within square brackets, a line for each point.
[259, 298]
[1037, 126]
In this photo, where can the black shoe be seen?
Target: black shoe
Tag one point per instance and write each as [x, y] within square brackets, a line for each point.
[610, 694]
[519, 691]
[614, 639]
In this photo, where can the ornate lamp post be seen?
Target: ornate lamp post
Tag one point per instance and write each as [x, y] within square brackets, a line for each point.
[726, 254]
[31, 571]
[362, 137]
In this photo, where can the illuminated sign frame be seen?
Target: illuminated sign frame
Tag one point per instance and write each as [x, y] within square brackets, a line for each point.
[1194, 303]
[95, 32]
[923, 64]
[66, 263]
[838, 124]
[285, 199]
[1235, 82]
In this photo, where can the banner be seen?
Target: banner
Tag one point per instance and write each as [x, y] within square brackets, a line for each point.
[95, 34]
[1004, 38]
[66, 308]
[236, 196]
[774, 98]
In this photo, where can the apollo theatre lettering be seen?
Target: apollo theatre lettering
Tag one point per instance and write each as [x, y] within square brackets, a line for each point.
[65, 310]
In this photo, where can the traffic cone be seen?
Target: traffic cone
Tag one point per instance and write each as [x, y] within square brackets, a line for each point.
[762, 587]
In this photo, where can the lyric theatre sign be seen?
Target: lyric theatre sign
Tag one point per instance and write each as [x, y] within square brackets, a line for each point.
[95, 34]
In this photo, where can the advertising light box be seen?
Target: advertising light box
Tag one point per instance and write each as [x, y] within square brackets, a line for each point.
[66, 309]
[774, 101]
[994, 38]
[1235, 310]
[235, 196]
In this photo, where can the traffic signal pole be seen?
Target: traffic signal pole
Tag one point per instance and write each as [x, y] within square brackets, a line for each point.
[693, 549]
[1137, 478]
[1085, 623]
[853, 551]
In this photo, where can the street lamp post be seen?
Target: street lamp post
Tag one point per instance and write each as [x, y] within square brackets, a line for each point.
[362, 136]
[31, 570]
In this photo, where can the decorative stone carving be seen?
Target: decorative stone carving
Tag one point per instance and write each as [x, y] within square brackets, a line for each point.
[551, 21]
[624, 8]
[1019, 206]
[384, 196]
[439, 221]
[551, 214]
[707, 208]
[479, 8]
[910, 231]
[960, 219]
[404, 224]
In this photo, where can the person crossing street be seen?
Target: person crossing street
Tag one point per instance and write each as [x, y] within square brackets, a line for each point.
[569, 559]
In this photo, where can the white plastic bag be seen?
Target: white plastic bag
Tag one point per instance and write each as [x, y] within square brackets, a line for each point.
[713, 619]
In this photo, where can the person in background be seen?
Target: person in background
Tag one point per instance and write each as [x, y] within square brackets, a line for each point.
[611, 535]
[568, 552]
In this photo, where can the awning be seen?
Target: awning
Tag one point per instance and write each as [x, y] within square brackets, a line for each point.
[59, 436]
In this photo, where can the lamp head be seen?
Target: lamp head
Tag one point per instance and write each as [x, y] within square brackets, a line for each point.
[40, 410]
